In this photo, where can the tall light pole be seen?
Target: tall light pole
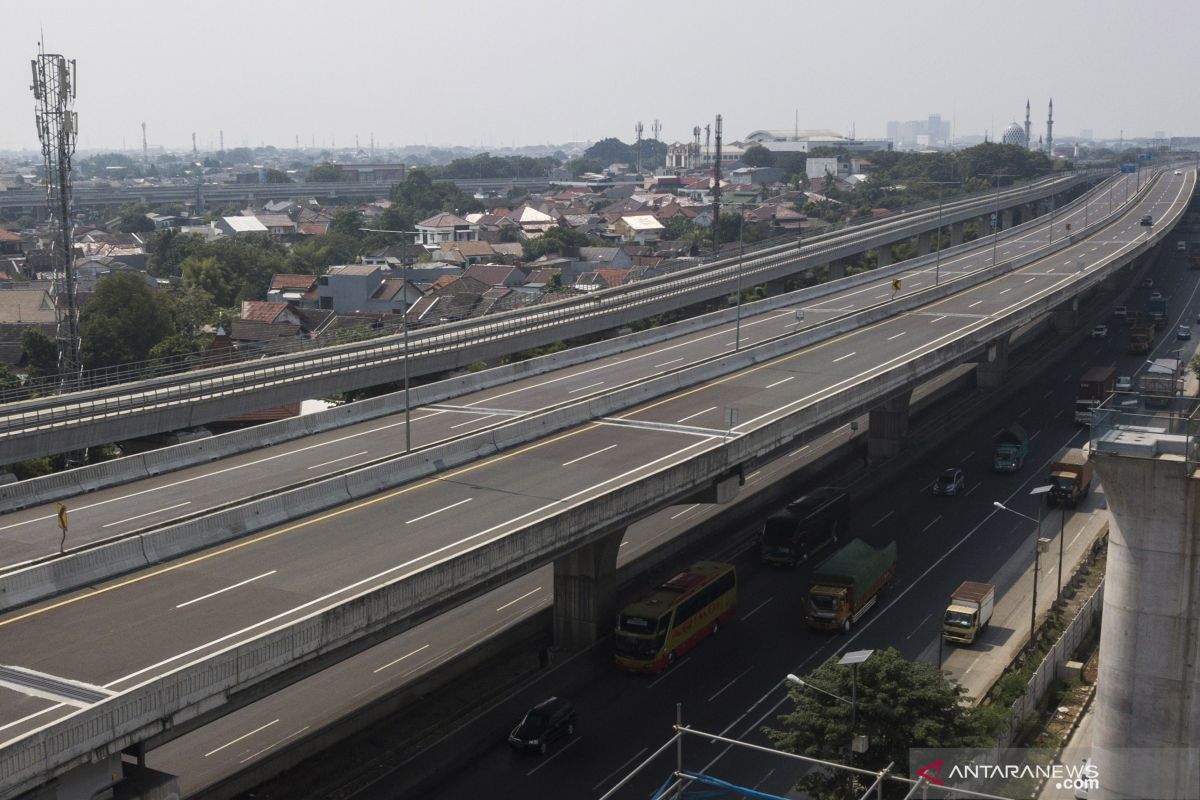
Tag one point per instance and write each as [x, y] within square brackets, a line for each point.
[737, 336]
[404, 329]
[851, 660]
[996, 214]
[1039, 544]
[937, 267]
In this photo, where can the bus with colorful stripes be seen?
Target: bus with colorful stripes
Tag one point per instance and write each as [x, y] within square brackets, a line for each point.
[676, 616]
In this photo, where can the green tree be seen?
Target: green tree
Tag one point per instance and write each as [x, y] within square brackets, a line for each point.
[579, 166]
[347, 221]
[277, 176]
[901, 705]
[41, 353]
[555, 240]
[207, 274]
[132, 219]
[168, 249]
[121, 321]
[325, 172]
[758, 156]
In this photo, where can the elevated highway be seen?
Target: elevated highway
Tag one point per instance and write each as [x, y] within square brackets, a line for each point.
[219, 627]
[100, 413]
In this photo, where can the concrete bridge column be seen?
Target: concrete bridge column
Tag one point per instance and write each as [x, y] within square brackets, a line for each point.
[1029, 211]
[1147, 708]
[1006, 218]
[956, 234]
[888, 428]
[993, 365]
[1066, 316]
[924, 243]
[883, 255]
[585, 592]
[837, 269]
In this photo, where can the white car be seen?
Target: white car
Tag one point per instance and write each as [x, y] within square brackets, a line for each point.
[1100, 332]
[1124, 384]
[1177, 172]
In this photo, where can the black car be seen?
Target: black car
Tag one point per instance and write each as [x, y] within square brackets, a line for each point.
[1147, 219]
[950, 482]
[550, 719]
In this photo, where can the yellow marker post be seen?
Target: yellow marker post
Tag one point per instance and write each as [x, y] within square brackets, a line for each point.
[62, 523]
[895, 284]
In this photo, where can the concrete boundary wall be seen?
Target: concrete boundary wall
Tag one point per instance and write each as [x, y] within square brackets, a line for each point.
[58, 575]
[146, 709]
[86, 479]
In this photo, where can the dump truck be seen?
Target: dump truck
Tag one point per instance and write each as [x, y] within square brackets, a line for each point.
[805, 526]
[1095, 385]
[969, 612]
[847, 584]
[1011, 447]
[1141, 337]
[1156, 312]
[1070, 479]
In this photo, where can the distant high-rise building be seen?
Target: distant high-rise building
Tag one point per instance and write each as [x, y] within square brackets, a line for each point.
[932, 131]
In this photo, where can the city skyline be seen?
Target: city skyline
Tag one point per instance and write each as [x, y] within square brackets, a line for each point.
[323, 79]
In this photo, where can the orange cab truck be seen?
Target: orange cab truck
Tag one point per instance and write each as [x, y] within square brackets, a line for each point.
[847, 584]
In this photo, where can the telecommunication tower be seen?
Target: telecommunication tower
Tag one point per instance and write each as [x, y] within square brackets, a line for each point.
[57, 127]
[145, 145]
[655, 130]
[638, 132]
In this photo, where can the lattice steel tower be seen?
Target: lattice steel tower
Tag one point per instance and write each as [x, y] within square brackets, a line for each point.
[57, 126]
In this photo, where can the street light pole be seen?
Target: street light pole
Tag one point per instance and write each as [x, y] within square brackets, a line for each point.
[737, 336]
[404, 330]
[1037, 492]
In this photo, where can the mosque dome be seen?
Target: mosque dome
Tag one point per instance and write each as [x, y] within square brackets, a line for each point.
[1014, 134]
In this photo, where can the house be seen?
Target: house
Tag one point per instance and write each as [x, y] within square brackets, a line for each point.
[600, 279]
[640, 228]
[394, 296]
[161, 221]
[11, 351]
[395, 255]
[543, 277]
[349, 287]
[605, 257]
[531, 221]
[446, 227]
[10, 243]
[293, 289]
[236, 226]
[495, 274]
[278, 225]
[464, 253]
[750, 176]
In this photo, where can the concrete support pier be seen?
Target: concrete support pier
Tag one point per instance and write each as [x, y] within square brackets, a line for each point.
[888, 428]
[1006, 218]
[925, 243]
[883, 255]
[1066, 316]
[956, 234]
[993, 364]
[1146, 733]
[837, 269]
[585, 592]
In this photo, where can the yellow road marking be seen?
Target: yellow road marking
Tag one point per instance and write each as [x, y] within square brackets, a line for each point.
[290, 528]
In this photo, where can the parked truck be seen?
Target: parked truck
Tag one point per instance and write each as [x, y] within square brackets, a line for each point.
[1141, 337]
[1011, 447]
[805, 525]
[969, 612]
[1070, 479]
[847, 584]
[1095, 385]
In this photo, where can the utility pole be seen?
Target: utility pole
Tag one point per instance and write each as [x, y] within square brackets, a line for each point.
[716, 192]
[638, 134]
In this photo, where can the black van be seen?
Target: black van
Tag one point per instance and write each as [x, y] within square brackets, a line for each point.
[806, 525]
[550, 719]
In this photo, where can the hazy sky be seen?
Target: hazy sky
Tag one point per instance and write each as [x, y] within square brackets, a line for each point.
[482, 73]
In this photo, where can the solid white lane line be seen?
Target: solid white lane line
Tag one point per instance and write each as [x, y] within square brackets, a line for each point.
[879, 521]
[686, 510]
[519, 599]
[561, 750]
[752, 474]
[292, 735]
[919, 626]
[1009, 289]
[227, 588]
[440, 510]
[619, 769]
[750, 613]
[977, 302]
[147, 514]
[665, 363]
[897, 336]
[931, 524]
[394, 662]
[937, 319]
[238, 739]
[698, 413]
[472, 421]
[842, 358]
[585, 388]
[721, 691]
[589, 455]
[795, 453]
[780, 383]
[336, 460]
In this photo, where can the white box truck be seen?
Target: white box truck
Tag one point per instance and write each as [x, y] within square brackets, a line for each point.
[969, 612]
